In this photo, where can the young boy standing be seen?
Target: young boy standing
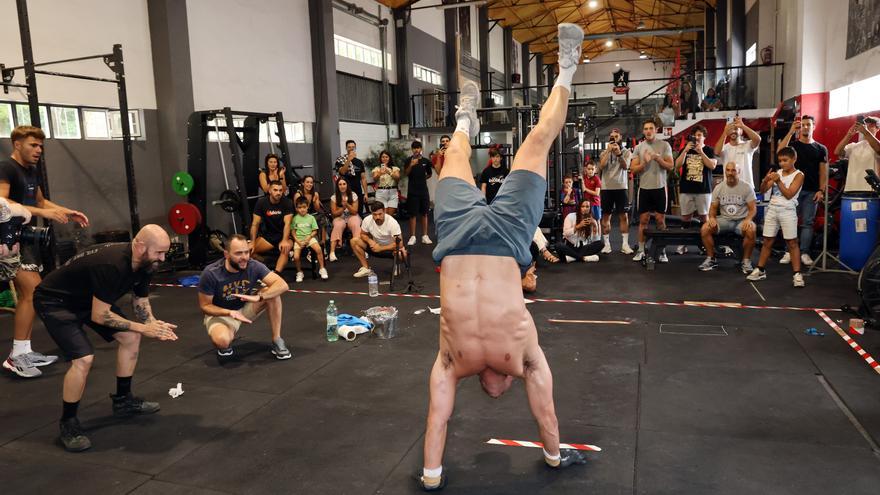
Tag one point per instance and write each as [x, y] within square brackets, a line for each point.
[305, 231]
[592, 186]
[782, 213]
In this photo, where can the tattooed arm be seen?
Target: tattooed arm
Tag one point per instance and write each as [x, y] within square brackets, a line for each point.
[102, 314]
[143, 312]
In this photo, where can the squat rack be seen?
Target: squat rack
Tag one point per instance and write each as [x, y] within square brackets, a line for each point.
[113, 60]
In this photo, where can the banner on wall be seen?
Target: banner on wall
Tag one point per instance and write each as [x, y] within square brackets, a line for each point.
[621, 82]
[862, 28]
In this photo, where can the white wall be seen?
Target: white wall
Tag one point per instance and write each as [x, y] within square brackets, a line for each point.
[367, 136]
[496, 49]
[75, 28]
[249, 60]
[839, 71]
[430, 21]
[603, 67]
[355, 29]
[768, 78]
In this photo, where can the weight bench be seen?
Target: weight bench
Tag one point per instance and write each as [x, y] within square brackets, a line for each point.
[689, 236]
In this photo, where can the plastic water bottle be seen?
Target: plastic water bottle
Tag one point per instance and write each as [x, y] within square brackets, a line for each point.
[374, 284]
[332, 336]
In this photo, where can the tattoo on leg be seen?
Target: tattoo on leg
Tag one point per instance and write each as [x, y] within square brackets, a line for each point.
[141, 313]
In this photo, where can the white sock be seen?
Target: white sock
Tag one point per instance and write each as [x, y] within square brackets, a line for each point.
[642, 246]
[565, 76]
[552, 457]
[464, 125]
[625, 238]
[432, 473]
[20, 347]
[607, 239]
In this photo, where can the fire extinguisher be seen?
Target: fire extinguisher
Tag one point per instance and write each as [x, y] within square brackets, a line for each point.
[767, 55]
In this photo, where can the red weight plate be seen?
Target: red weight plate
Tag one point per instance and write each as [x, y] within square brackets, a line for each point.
[184, 218]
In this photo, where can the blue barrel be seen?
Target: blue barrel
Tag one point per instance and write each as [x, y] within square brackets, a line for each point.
[858, 229]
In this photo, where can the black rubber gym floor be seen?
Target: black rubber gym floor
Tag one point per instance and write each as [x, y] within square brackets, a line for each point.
[682, 399]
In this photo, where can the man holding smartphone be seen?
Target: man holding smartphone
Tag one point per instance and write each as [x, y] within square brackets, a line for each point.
[418, 201]
[742, 142]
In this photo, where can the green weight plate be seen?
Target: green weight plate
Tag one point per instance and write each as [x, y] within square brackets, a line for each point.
[182, 183]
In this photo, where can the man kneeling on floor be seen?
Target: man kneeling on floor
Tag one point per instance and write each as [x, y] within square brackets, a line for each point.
[84, 292]
[380, 236]
[230, 294]
[732, 210]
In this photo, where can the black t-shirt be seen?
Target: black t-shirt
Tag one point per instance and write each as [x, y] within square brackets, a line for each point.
[809, 156]
[102, 271]
[272, 217]
[354, 172]
[418, 176]
[23, 181]
[493, 178]
[695, 177]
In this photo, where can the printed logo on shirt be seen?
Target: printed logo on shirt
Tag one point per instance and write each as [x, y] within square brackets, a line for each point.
[273, 213]
[236, 287]
[694, 168]
[496, 179]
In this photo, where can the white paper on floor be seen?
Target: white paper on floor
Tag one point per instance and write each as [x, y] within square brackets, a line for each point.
[176, 391]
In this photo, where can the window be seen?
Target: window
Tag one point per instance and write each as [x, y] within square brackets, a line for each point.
[95, 124]
[855, 98]
[430, 76]
[498, 98]
[6, 121]
[23, 117]
[354, 50]
[752, 54]
[220, 134]
[115, 122]
[293, 131]
[65, 123]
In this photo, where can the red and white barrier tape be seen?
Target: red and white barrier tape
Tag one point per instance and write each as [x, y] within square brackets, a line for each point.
[852, 343]
[696, 304]
[525, 443]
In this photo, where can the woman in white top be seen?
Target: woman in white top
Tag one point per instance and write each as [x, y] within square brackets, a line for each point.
[782, 214]
[583, 239]
[344, 207]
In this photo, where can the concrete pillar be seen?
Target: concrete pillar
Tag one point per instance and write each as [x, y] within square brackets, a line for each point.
[324, 78]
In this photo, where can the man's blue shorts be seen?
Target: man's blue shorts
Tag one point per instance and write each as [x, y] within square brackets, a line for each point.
[467, 225]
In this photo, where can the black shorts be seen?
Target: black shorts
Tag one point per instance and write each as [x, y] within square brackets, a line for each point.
[653, 200]
[65, 326]
[614, 201]
[418, 204]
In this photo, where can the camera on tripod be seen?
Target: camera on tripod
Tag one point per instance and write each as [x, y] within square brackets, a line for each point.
[15, 231]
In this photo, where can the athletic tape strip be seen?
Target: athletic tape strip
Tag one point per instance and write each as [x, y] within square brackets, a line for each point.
[852, 343]
[694, 304]
[525, 443]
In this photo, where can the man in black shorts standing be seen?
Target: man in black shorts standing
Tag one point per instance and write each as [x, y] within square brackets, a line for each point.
[20, 183]
[84, 292]
[273, 213]
[418, 202]
[614, 171]
[651, 160]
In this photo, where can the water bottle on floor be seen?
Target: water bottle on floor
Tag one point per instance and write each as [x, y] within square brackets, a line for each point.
[374, 284]
[332, 336]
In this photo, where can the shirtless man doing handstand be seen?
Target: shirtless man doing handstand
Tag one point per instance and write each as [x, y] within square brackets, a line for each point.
[485, 328]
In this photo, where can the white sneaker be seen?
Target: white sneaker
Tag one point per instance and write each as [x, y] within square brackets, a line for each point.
[38, 359]
[606, 249]
[757, 274]
[591, 258]
[333, 256]
[805, 259]
[299, 277]
[362, 272]
[426, 240]
[639, 256]
[681, 250]
[797, 280]
[571, 39]
[569, 259]
[22, 366]
[323, 273]
[662, 257]
[468, 98]
[786, 258]
[625, 249]
[411, 241]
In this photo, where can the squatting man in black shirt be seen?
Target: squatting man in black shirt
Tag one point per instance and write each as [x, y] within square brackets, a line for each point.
[84, 292]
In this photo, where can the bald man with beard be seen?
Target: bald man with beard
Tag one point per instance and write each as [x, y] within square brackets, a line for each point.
[84, 292]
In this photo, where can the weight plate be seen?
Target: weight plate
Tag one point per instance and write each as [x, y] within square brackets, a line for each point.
[184, 218]
[182, 183]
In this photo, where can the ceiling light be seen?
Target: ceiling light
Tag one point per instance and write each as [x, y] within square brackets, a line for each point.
[592, 4]
[617, 65]
[641, 25]
[643, 56]
[586, 60]
[609, 43]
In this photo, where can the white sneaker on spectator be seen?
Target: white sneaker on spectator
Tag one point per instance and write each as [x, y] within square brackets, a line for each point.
[411, 241]
[639, 256]
[625, 249]
[362, 272]
[681, 250]
[569, 259]
[299, 277]
[757, 274]
[662, 257]
[797, 280]
[606, 249]
[747, 267]
[591, 258]
[786, 258]
[426, 240]
[806, 259]
[323, 273]
[333, 256]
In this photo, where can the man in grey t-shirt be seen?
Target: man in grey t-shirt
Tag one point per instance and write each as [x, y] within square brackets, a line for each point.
[732, 210]
[614, 172]
[651, 159]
